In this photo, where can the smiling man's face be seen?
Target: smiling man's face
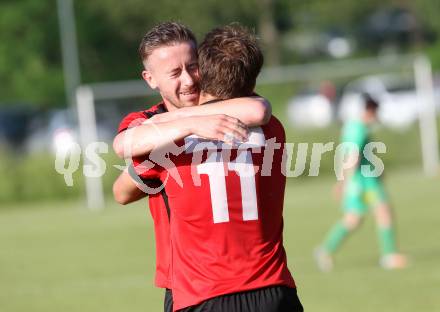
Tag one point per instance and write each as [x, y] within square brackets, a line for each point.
[173, 71]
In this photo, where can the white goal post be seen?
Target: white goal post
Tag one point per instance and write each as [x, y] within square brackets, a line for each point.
[87, 95]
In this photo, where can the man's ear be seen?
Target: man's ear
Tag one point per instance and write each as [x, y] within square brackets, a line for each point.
[146, 75]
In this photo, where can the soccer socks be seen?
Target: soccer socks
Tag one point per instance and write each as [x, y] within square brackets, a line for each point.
[335, 237]
[387, 240]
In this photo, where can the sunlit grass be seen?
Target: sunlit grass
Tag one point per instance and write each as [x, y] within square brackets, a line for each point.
[59, 256]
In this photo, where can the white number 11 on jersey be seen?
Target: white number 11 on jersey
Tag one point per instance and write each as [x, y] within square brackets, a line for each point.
[214, 167]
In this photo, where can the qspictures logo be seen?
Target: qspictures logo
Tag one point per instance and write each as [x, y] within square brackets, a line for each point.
[346, 156]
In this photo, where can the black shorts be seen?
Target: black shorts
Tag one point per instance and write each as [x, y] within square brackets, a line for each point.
[269, 299]
[168, 301]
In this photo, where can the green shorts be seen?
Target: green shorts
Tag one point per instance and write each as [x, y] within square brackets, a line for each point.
[361, 193]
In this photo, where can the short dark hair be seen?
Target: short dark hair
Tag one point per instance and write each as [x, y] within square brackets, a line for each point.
[229, 62]
[370, 103]
[165, 34]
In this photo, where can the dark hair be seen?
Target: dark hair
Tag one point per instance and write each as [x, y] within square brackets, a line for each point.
[165, 34]
[229, 62]
[370, 102]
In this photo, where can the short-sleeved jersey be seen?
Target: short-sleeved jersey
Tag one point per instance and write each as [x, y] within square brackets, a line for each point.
[157, 203]
[357, 132]
[360, 192]
[226, 217]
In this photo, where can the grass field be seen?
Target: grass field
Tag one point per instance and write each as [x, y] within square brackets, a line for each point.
[61, 257]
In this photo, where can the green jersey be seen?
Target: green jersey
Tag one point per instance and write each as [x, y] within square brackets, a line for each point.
[357, 132]
[360, 192]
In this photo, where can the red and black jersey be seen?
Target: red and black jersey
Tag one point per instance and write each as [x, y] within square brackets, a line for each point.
[157, 203]
[137, 118]
[226, 217]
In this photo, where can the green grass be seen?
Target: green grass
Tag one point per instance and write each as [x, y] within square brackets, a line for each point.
[61, 257]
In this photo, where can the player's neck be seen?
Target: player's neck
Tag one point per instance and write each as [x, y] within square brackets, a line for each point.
[367, 119]
[169, 106]
[205, 97]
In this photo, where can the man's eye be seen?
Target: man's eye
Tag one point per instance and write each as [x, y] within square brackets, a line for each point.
[193, 67]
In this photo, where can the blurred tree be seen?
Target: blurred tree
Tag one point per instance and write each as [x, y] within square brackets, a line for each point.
[109, 32]
[268, 31]
[30, 63]
[427, 11]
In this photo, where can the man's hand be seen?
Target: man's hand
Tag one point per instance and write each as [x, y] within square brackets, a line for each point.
[153, 134]
[219, 127]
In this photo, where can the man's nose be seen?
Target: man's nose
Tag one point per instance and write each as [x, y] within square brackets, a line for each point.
[187, 78]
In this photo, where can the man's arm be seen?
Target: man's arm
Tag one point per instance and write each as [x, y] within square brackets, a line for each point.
[125, 190]
[141, 140]
[202, 120]
[252, 111]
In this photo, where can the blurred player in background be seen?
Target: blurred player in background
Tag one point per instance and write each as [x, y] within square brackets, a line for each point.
[359, 193]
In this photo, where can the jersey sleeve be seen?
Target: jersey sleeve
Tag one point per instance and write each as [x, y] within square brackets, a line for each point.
[132, 120]
[141, 167]
[146, 169]
[354, 132]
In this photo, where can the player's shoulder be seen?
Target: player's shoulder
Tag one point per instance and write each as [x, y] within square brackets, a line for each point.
[355, 126]
[150, 112]
[274, 128]
[275, 122]
[354, 131]
[134, 119]
[155, 109]
[354, 123]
